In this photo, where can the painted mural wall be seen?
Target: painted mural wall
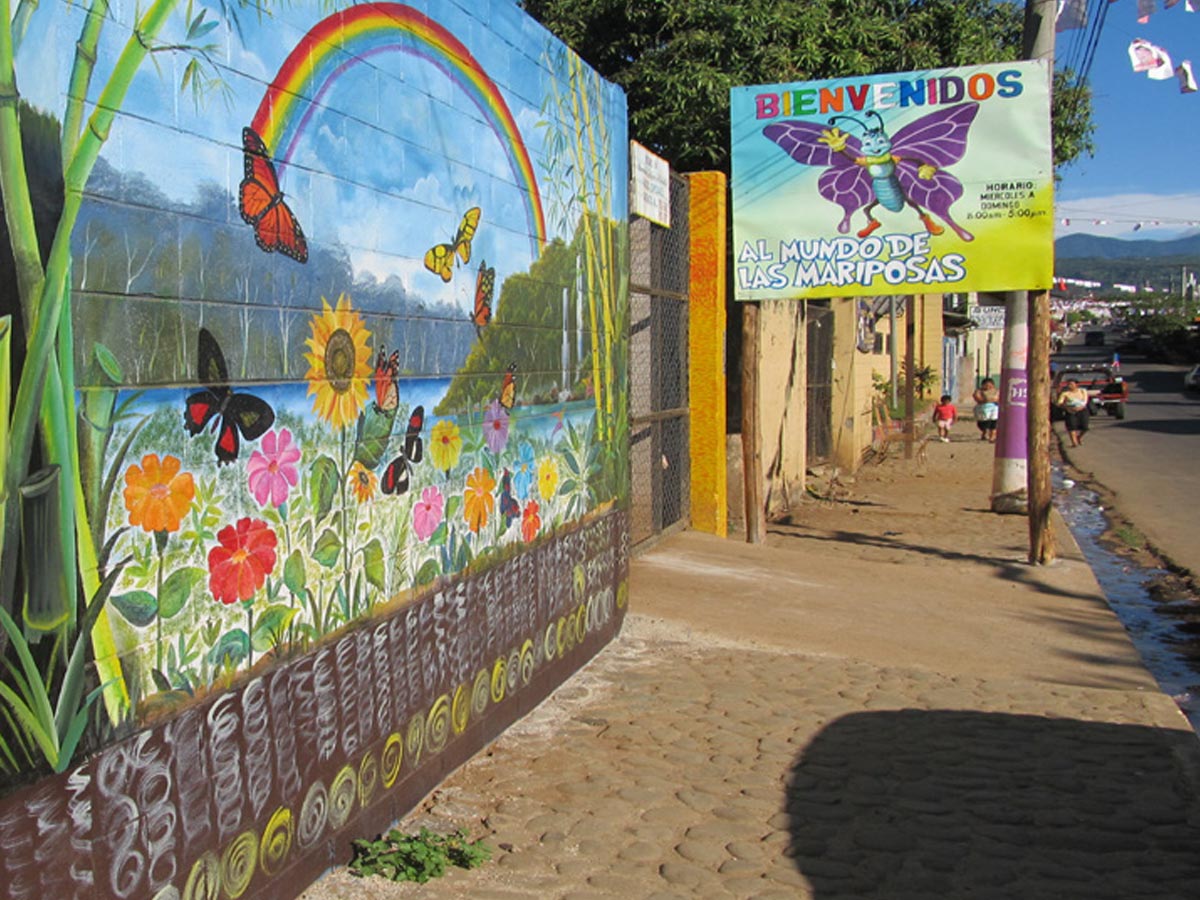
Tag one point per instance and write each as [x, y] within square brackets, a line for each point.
[314, 422]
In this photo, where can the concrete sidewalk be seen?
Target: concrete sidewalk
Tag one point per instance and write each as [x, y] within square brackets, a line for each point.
[883, 701]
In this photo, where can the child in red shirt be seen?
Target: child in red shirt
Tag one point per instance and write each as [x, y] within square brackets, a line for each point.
[944, 416]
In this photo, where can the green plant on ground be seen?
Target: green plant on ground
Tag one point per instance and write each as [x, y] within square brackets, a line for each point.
[1130, 537]
[419, 857]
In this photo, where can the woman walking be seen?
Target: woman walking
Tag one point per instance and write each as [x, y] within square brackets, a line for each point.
[1073, 400]
[987, 409]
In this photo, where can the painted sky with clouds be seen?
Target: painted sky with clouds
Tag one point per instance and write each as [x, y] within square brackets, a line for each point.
[1147, 133]
[417, 150]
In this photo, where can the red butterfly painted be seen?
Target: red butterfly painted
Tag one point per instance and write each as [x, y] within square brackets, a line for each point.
[395, 477]
[387, 387]
[261, 203]
[233, 413]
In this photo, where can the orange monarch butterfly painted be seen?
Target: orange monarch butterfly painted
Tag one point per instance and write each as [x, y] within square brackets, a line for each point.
[485, 286]
[387, 387]
[439, 259]
[395, 477]
[508, 390]
[260, 202]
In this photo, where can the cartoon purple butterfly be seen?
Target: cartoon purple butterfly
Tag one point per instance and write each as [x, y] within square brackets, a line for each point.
[908, 169]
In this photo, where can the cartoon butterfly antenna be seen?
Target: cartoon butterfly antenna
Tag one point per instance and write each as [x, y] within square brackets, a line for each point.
[833, 120]
[878, 118]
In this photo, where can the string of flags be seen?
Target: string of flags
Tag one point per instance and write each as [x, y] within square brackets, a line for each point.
[1144, 57]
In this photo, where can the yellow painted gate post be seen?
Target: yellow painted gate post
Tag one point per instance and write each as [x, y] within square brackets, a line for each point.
[706, 350]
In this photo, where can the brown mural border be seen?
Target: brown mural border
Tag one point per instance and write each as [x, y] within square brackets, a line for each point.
[255, 792]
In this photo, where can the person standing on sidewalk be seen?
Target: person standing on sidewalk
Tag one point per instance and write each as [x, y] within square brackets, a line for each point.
[1073, 400]
[987, 409]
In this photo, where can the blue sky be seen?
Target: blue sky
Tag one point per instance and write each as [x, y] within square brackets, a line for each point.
[1147, 133]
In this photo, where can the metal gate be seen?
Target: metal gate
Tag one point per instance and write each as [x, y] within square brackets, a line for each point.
[658, 377]
[819, 396]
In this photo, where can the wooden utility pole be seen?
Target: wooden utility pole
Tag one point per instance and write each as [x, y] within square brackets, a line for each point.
[1039, 44]
[756, 514]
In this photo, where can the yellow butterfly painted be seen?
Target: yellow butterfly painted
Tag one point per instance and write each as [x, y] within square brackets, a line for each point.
[439, 259]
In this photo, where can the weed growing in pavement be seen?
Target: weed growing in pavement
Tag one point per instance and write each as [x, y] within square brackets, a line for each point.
[1130, 537]
[419, 857]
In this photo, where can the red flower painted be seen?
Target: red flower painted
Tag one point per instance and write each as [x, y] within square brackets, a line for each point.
[241, 561]
[530, 521]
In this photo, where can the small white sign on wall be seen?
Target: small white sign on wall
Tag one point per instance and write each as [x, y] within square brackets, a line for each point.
[651, 194]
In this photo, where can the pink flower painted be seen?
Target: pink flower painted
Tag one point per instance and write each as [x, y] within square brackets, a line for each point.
[272, 469]
[427, 513]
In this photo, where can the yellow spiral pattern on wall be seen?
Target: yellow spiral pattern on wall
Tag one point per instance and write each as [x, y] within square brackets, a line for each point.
[514, 670]
[392, 757]
[480, 691]
[368, 778]
[238, 863]
[204, 881]
[578, 584]
[276, 841]
[622, 594]
[549, 645]
[342, 795]
[499, 678]
[437, 724]
[414, 741]
[581, 623]
[460, 709]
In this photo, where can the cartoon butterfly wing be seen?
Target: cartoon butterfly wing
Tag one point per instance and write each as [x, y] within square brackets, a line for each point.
[844, 183]
[439, 259]
[938, 139]
[466, 233]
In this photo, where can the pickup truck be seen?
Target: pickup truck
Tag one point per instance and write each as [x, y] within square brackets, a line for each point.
[1107, 390]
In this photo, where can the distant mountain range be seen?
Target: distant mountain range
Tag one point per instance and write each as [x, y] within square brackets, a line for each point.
[1155, 264]
[1091, 246]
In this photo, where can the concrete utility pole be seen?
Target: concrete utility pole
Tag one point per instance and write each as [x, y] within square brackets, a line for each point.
[1009, 472]
[1039, 44]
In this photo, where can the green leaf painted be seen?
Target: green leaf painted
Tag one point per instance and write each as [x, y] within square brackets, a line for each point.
[269, 627]
[439, 535]
[233, 645]
[138, 607]
[323, 484]
[373, 564]
[293, 573]
[428, 572]
[452, 505]
[329, 545]
[373, 435]
[108, 363]
[176, 590]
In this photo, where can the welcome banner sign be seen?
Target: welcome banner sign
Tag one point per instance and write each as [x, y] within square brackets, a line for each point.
[933, 181]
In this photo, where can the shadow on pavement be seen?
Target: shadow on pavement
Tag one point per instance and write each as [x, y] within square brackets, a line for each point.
[1156, 382]
[1163, 426]
[912, 803]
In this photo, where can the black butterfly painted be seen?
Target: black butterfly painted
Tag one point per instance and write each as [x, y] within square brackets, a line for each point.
[395, 476]
[233, 413]
[509, 507]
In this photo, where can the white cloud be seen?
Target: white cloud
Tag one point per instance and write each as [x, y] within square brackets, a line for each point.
[1161, 216]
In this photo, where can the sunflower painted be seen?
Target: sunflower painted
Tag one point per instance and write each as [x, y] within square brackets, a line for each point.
[445, 444]
[478, 501]
[339, 364]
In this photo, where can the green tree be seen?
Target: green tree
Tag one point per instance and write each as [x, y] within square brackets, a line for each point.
[677, 59]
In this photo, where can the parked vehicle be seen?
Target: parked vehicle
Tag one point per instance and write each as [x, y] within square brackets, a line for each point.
[1107, 390]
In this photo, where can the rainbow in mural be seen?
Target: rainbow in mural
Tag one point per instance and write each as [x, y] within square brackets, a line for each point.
[345, 39]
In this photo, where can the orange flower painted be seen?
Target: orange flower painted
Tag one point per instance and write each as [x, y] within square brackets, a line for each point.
[478, 501]
[157, 494]
[364, 481]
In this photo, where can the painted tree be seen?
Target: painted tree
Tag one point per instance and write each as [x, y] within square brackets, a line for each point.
[677, 59]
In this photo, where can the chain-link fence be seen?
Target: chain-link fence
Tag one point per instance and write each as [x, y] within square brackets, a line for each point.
[659, 371]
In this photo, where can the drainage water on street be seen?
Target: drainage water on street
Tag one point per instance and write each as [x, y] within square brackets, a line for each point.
[1169, 647]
